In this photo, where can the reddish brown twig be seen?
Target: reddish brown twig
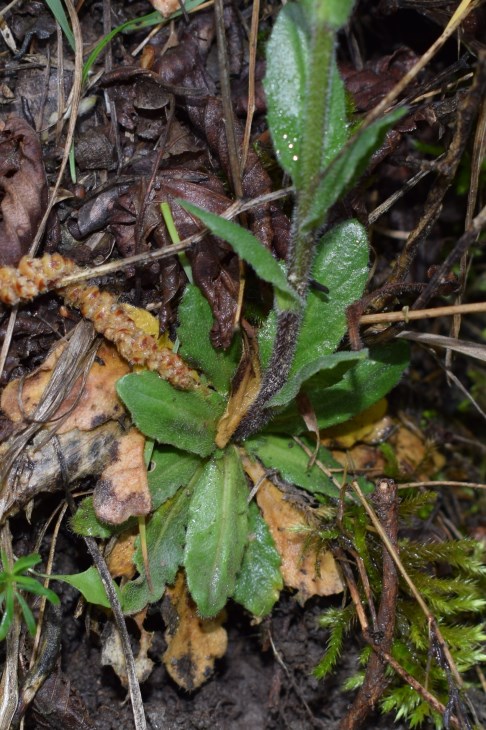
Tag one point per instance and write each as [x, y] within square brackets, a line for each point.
[374, 684]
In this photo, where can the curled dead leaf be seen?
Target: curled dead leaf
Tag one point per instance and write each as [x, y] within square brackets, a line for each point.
[193, 643]
[89, 404]
[245, 388]
[122, 490]
[112, 654]
[120, 559]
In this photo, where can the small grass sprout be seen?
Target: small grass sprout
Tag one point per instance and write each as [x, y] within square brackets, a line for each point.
[13, 580]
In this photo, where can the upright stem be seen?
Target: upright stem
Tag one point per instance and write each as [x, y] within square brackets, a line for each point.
[302, 246]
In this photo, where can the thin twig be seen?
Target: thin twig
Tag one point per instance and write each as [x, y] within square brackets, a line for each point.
[109, 586]
[228, 113]
[76, 96]
[407, 315]
[416, 594]
[441, 483]
[255, 15]
[232, 211]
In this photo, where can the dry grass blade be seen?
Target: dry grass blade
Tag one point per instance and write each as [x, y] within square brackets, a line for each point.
[471, 349]
[407, 315]
[251, 82]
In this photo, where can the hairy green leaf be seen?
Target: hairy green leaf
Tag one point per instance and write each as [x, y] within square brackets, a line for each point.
[247, 246]
[85, 522]
[170, 469]
[342, 265]
[183, 419]
[287, 61]
[348, 167]
[292, 113]
[194, 331]
[165, 533]
[259, 581]
[334, 13]
[334, 366]
[359, 388]
[290, 460]
[217, 532]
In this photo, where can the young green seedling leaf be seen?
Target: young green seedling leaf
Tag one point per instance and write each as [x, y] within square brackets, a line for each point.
[196, 347]
[247, 246]
[183, 419]
[89, 584]
[217, 532]
[259, 581]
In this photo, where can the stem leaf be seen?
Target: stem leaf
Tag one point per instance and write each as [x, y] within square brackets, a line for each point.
[247, 246]
[347, 167]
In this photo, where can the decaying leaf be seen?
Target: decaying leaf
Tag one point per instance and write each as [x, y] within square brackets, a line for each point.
[370, 426]
[112, 654]
[166, 7]
[312, 573]
[193, 643]
[23, 188]
[120, 559]
[38, 469]
[245, 388]
[415, 457]
[85, 407]
[122, 490]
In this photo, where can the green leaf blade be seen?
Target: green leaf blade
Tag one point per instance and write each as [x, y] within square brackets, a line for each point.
[247, 246]
[196, 347]
[85, 522]
[346, 168]
[259, 581]
[186, 420]
[287, 60]
[291, 461]
[217, 532]
[342, 265]
[360, 387]
[165, 534]
[59, 13]
[170, 469]
[89, 584]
